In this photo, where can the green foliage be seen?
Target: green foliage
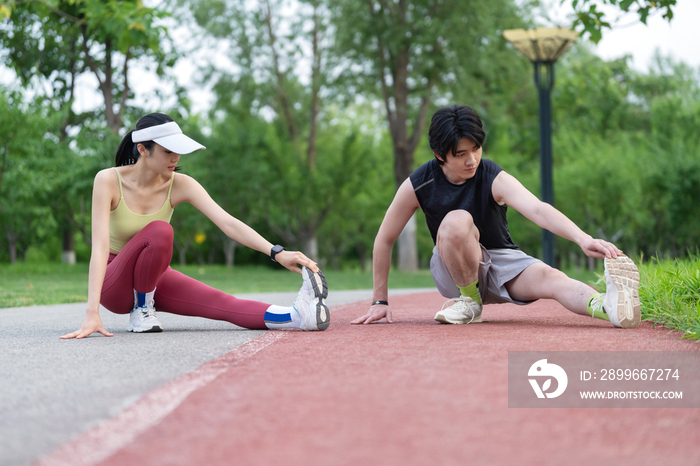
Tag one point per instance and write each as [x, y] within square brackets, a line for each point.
[49, 44]
[625, 146]
[670, 294]
[347, 235]
[625, 156]
[282, 154]
[412, 55]
[594, 96]
[59, 39]
[28, 154]
[594, 20]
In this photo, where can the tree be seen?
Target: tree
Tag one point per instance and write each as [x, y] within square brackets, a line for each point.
[280, 88]
[50, 43]
[594, 20]
[410, 52]
[54, 41]
[27, 157]
[626, 165]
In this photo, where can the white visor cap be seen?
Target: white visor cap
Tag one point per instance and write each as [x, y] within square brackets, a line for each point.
[168, 135]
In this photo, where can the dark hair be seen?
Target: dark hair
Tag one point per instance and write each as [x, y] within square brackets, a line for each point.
[449, 125]
[127, 153]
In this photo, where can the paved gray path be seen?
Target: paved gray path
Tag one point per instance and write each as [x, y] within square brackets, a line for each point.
[51, 389]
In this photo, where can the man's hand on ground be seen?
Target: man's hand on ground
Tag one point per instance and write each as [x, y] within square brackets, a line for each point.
[376, 312]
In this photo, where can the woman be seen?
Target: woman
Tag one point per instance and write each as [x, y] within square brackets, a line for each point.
[132, 244]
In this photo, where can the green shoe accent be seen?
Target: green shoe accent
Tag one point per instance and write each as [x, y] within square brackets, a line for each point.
[471, 291]
[595, 307]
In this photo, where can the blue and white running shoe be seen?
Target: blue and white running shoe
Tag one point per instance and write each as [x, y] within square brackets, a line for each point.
[309, 303]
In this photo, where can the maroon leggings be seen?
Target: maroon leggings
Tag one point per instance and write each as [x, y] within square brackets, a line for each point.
[144, 264]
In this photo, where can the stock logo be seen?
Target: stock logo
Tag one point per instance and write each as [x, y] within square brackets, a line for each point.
[543, 369]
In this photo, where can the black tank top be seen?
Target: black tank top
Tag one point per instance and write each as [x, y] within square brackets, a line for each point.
[437, 197]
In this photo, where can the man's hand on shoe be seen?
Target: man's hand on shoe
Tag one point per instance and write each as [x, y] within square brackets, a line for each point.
[599, 248]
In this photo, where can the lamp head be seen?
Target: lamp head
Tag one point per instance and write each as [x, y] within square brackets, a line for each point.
[542, 44]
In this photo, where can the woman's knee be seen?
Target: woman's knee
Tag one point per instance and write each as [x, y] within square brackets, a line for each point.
[160, 227]
[160, 231]
[458, 225]
[159, 235]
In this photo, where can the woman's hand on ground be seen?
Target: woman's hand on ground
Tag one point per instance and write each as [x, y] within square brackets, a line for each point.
[91, 324]
[290, 260]
[376, 312]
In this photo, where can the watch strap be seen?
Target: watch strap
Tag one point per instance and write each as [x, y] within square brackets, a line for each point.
[276, 249]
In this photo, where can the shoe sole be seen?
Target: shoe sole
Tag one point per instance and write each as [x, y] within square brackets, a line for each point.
[625, 275]
[323, 315]
[154, 329]
[444, 320]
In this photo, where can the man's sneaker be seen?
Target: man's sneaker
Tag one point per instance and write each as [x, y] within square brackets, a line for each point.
[143, 320]
[621, 299]
[309, 303]
[463, 311]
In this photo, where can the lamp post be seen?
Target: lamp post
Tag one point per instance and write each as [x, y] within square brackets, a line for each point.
[543, 46]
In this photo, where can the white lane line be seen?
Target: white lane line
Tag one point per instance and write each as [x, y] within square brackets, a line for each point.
[110, 436]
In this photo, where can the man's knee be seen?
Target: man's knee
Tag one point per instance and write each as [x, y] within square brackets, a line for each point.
[458, 226]
[539, 281]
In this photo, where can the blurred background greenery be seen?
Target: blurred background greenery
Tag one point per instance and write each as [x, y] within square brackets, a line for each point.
[319, 109]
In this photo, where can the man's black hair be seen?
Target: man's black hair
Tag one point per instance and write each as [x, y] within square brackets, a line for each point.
[449, 125]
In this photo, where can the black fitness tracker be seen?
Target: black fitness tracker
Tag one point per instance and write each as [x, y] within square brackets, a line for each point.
[383, 303]
[275, 250]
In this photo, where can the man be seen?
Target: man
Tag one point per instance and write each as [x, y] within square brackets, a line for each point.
[465, 199]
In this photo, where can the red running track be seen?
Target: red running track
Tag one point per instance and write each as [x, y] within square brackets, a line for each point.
[411, 393]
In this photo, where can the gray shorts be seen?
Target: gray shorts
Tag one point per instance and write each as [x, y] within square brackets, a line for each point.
[499, 266]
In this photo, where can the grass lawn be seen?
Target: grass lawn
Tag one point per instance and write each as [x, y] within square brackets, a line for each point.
[36, 284]
[670, 294]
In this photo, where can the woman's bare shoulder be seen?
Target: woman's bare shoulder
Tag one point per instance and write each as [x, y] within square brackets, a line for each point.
[106, 174]
[184, 182]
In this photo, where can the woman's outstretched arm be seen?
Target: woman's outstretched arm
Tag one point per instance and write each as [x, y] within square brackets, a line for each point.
[187, 189]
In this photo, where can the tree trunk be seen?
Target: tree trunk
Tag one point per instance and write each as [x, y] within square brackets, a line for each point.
[282, 96]
[362, 256]
[395, 64]
[182, 255]
[68, 253]
[407, 247]
[590, 263]
[310, 248]
[315, 89]
[335, 260]
[230, 251]
[12, 245]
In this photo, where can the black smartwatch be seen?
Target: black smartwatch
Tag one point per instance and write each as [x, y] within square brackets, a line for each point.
[275, 250]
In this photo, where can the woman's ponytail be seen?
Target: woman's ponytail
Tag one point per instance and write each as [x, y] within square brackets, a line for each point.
[125, 151]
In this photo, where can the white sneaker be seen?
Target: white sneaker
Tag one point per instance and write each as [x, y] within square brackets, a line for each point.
[463, 311]
[143, 320]
[621, 299]
[309, 303]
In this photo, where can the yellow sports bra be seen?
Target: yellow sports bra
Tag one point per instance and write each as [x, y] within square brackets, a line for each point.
[124, 224]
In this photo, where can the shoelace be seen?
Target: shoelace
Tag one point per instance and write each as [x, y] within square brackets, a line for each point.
[147, 312]
[597, 303]
[464, 308]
